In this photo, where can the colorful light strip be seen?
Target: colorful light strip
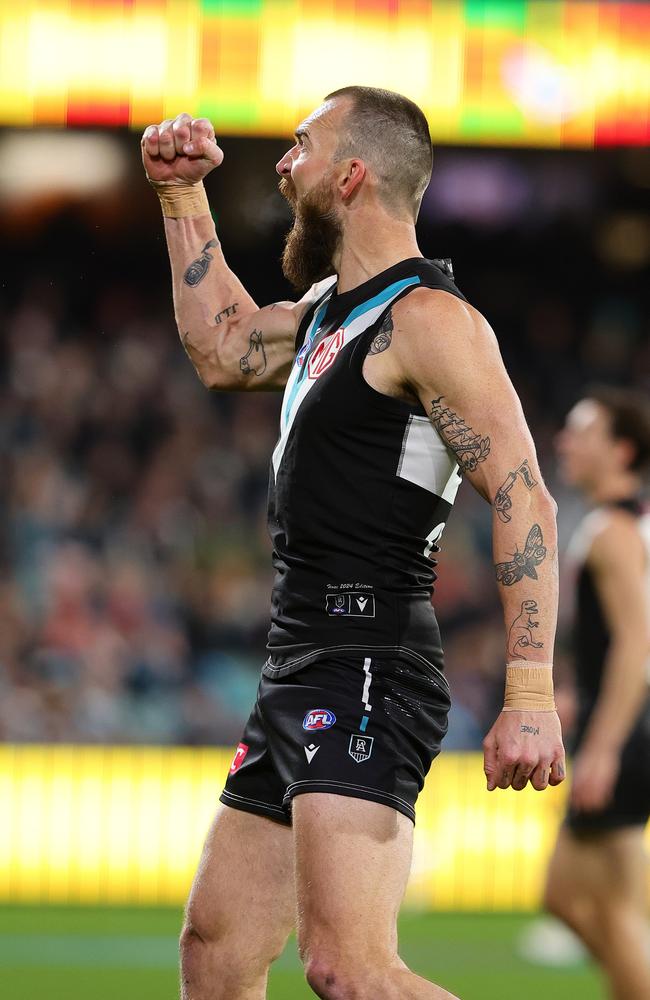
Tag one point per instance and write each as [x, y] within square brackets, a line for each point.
[541, 72]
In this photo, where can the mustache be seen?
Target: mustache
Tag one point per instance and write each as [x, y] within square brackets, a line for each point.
[288, 190]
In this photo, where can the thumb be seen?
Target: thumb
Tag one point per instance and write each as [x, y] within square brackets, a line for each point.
[490, 766]
[205, 148]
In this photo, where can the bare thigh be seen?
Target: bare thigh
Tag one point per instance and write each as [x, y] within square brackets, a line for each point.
[243, 895]
[352, 862]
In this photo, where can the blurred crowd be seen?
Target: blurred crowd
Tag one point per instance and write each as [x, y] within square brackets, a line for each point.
[135, 565]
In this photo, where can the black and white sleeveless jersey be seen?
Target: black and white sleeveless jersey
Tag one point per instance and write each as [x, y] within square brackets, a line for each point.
[361, 486]
[591, 637]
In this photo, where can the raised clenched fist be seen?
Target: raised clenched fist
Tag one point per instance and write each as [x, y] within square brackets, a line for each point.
[180, 151]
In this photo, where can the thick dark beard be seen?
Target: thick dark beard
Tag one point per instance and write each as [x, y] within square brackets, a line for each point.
[314, 238]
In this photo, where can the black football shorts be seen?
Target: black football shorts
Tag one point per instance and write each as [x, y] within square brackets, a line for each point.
[630, 803]
[350, 725]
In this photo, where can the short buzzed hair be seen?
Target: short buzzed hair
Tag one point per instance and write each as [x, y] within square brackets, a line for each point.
[629, 419]
[391, 134]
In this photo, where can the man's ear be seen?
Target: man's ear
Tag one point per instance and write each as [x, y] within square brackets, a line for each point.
[350, 177]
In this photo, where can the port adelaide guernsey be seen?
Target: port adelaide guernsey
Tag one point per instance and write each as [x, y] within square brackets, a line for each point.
[361, 486]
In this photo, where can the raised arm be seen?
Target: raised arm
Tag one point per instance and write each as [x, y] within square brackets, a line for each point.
[617, 560]
[448, 356]
[231, 342]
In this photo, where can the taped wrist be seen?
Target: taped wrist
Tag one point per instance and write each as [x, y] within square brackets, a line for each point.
[181, 201]
[529, 688]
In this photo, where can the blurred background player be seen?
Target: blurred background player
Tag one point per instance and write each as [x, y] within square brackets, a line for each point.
[597, 878]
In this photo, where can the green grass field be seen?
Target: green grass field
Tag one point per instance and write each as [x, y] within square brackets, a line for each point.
[130, 954]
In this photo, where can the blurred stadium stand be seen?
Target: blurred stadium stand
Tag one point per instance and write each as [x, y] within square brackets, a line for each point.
[135, 569]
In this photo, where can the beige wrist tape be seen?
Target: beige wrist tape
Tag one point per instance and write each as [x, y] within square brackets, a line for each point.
[529, 688]
[181, 201]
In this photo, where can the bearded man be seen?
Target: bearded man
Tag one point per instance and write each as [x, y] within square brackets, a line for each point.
[394, 389]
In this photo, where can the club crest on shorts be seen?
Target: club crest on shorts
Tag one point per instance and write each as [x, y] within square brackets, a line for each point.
[360, 747]
[238, 759]
[318, 718]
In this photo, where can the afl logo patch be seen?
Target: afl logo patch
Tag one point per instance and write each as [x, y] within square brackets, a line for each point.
[325, 354]
[318, 718]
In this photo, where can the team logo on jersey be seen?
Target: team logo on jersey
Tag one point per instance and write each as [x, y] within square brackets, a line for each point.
[356, 604]
[360, 747]
[238, 759]
[318, 718]
[325, 354]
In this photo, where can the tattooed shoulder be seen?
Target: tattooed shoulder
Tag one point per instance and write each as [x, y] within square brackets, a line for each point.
[382, 340]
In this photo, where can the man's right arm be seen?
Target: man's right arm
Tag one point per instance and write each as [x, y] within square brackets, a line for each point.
[231, 342]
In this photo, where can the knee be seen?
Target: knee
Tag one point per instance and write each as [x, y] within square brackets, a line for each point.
[329, 980]
[216, 951]
[333, 975]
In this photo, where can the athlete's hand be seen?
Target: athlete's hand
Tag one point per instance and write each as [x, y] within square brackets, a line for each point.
[180, 151]
[523, 747]
[594, 776]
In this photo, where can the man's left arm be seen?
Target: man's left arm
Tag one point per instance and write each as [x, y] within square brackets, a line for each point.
[447, 354]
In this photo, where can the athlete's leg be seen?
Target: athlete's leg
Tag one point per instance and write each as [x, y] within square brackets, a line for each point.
[597, 885]
[240, 910]
[352, 862]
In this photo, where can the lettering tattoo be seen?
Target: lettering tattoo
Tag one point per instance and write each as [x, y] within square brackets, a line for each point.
[520, 634]
[533, 730]
[198, 269]
[502, 501]
[384, 336]
[523, 563]
[254, 361]
[469, 447]
[225, 313]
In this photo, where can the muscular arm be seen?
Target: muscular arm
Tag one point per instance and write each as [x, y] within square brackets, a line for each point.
[448, 356]
[617, 560]
[231, 342]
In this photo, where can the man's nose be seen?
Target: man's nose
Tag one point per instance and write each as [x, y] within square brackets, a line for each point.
[283, 166]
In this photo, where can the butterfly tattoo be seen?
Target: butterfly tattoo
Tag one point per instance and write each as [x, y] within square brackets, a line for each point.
[523, 563]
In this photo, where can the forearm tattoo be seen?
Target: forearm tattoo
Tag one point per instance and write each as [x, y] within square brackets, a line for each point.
[502, 500]
[523, 563]
[225, 313]
[384, 336]
[520, 633]
[469, 447]
[254, 361]
[198, 269]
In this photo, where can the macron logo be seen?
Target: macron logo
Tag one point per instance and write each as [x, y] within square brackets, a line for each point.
[311, 752]
[362, 601]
